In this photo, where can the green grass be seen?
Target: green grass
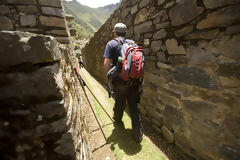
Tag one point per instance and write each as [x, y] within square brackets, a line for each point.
[120, 139]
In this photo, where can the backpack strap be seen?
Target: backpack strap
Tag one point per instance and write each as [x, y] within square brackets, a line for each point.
[119, 41]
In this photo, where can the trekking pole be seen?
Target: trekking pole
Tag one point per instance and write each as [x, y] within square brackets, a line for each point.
[100, 104]
[82, 85]
[95, 97]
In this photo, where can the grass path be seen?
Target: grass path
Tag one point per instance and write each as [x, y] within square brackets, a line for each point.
[121, 141]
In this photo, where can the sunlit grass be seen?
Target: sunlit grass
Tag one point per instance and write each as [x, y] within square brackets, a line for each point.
[122, 143]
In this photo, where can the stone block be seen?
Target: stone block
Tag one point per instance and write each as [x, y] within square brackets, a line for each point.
[160, 34]
[161, 56]
[27, 9]
[51, 3]
[233, 29]
[197, 77]
[129, 22]
[134, 9]
[178, 60]
[172, 92]
[174, 48]
[52, 11]
[141, 16]
[167, 134]
[159, 14]
[149, 66]
[49, 110]
[229, 152]
[183, 142]
[32, 30]
[146, 51]
[169, 4]
[161, 65]
[63, 40]
[160, 2]
[150, 58]
[184, 11]
[58, 126]
[143, 28]
[167, 99]
[228, 46]
[143, 3]
[232, 124]
[134, 1]
[229, 69]
[39, 86]
[65, 146]
[164, 18]
[28, 2]
[6, 23]
[125, 12]
[211, 4]
[156, 45]
[4, 10]
[183, 31]
[156, 129]
[157, 20]
[58, 32]
[147, 35]
[162, 25]
[221, 18]
[28, 21]
[157, 122]
[52, 22]
[203, 35]
[129, 32]
[146, 42]
[199, 109]
[230, 83]
[199, 56]
[69, 17]
[172, 117]
[30, 48]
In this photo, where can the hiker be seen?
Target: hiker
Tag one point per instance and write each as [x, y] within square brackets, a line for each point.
[123, 90]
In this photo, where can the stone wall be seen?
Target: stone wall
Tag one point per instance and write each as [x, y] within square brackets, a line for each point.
[37, 16]
[192, 76]
[42, 106]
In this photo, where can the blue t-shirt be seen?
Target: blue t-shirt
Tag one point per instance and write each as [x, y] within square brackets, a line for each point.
[113, 49]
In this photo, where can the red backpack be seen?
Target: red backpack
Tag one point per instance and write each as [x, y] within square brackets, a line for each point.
[132, 60]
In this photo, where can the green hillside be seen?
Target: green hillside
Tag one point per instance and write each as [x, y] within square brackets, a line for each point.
[87, 19]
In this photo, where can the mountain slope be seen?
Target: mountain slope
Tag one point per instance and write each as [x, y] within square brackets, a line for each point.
[89, 19]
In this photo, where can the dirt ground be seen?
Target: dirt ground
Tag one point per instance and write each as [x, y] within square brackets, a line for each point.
[100, 149]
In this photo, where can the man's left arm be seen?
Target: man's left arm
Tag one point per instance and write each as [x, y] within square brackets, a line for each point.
[107, 64]
[107, 57]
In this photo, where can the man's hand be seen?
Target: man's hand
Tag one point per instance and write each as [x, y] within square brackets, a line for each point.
[107, 63]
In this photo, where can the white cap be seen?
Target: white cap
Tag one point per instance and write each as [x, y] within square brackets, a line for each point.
[120, 28]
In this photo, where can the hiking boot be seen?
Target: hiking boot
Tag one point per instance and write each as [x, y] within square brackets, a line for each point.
[138, 139]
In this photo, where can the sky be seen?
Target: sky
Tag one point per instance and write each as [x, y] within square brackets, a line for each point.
[97, 3]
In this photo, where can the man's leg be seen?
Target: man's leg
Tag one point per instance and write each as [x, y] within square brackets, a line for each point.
[134, 105]
[120, 101]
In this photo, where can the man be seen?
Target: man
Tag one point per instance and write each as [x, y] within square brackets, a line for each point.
[123, 90]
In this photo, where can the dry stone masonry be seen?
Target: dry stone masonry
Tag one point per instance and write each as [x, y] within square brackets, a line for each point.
[37, 16]
[41, 104]
[192, 76]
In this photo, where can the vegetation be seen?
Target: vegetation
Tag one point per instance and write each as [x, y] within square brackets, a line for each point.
[87, 20]
[122, 143]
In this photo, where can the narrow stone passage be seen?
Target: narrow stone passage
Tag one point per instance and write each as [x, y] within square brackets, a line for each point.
[120, 142]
